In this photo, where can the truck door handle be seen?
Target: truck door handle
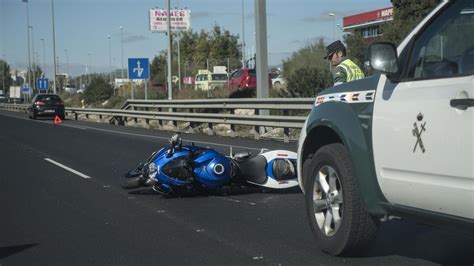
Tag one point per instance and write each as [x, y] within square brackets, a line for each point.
[462, 104]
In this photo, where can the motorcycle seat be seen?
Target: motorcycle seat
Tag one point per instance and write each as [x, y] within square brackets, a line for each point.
[254, 169]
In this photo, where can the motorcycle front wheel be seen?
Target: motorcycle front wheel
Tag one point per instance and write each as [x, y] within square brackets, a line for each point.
[134, 182]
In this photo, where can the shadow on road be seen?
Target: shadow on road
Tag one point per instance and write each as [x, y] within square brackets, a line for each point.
[222, 192]
[10, 250]
[410, 239]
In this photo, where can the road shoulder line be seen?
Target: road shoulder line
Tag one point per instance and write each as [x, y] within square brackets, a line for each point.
[67, 168]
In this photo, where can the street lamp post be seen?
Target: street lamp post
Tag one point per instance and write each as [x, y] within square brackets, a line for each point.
[89, 69]
[54, 48]
[67, 62]
[110, 59]
[44, 57]
[67, 67]
[3, 73]
[170, 86]
[243, 37]
[33, 85]
[334, 24]
[121, 41]
[28, 36]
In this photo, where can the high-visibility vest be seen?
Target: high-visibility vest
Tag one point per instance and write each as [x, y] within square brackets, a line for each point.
[353, 72]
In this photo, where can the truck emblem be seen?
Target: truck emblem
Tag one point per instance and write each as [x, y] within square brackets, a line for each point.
[417, 131]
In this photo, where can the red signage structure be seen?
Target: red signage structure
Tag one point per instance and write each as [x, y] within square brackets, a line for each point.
[368, 17]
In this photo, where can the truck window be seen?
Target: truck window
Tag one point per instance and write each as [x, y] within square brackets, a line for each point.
[201, 78]
[446, 47]
[219, 76]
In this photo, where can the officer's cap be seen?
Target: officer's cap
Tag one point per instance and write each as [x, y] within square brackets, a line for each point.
[334, 47]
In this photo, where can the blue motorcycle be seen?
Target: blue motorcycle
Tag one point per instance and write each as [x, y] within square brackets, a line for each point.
[189, 168]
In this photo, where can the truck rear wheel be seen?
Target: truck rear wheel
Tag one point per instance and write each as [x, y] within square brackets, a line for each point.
[338, 219]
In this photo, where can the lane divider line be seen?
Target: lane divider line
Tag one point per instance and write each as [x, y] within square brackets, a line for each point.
[67, 168]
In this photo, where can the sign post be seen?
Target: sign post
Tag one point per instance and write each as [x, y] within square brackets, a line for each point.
[139, 68]
[167, 20]
[26, 90]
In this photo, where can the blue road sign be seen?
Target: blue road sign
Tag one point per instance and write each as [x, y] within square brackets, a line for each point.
[25, 88]
[42, 84]
[138, 68]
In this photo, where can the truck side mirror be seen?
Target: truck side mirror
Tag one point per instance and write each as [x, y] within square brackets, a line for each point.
[382, 56]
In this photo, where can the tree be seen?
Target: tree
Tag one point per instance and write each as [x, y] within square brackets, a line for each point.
[356, 48]
[308, 56]
[407, 14]
[99, 89]
[5, 77]
[308, 82]
[158, 68]
[199, 50]
[306, 71]
[35, 72]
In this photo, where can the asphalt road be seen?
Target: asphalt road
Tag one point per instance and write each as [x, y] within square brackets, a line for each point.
[81, 216]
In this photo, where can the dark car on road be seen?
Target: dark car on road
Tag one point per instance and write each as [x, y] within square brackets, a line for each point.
[46, 105]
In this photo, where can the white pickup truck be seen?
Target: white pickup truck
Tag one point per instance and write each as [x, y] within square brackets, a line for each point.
[400, 142]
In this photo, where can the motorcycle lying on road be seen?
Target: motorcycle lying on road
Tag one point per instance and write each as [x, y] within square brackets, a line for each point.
[188, 168]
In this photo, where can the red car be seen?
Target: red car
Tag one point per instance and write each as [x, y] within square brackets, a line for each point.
[243, 81]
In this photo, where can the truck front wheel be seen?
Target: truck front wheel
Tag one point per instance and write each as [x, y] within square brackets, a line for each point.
[338, 219]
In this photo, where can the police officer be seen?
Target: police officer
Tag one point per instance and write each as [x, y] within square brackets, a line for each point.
[346, 70]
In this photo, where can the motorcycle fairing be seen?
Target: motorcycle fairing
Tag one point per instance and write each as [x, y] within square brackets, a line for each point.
[202, 160]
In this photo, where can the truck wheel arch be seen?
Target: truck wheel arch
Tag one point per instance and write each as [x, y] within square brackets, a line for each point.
[326, 136]
[345, 128]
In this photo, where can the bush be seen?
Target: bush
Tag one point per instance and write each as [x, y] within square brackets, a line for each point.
[98, 90]
[307, 82]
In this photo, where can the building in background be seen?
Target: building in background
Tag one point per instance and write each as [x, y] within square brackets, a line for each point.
[367, 24]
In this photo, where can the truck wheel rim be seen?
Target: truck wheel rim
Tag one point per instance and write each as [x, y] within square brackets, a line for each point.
[327, 200]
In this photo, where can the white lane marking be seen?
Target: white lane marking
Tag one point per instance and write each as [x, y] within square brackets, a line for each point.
[67, 168]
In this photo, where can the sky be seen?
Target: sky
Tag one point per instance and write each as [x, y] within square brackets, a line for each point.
[82, 27]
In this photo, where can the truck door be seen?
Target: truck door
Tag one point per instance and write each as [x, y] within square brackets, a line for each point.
[423, 127]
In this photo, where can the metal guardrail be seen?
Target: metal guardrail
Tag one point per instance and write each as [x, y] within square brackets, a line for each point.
[250, 103]
[195, 113]
[14, 106]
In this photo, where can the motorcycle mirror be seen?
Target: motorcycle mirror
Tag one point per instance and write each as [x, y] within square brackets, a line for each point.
[175, 139]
